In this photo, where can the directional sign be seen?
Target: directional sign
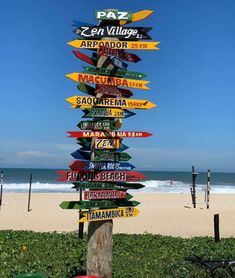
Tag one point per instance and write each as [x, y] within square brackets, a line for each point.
[111, 134]
[107, 113]
[107, 80]
[120, 54]
[104, 143]
[80, 154]
[97, 204]
[100, 155]
[134, 45]
[100, 125]
[105, 214]
[84, 57]
[120, 32]
[89, 146]
[106, 194]
[105, 166]
[113, 14]
[90, 102]
[114, 72]
[104, 90]
[107, 143]
[105, 185]
[128, 18]
[106, 176]
[119, 63]
[113, 91]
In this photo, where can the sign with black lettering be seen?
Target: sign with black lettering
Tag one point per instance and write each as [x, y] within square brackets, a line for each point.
[112, 14]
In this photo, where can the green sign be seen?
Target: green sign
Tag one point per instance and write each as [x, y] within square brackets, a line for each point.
[100, 155]
[98, 204]
[106, 185]
[118, 73]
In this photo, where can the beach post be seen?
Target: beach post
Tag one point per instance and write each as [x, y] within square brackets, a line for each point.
[1, 190]
[193, 191]
[80, 225]
[30, 187]
[101, 169]
[216, 228]
[208, 187]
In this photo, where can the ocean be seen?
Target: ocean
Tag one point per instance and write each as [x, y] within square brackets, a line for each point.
[44, 180]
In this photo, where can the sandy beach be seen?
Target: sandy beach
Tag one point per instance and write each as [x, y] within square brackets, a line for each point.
[160, 213]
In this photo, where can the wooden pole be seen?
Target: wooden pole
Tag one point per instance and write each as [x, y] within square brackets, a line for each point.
[216, 228]
[1, 178]
[208, 187]
[80, 225]
[29, 197]
[99, 249]
[194, 175]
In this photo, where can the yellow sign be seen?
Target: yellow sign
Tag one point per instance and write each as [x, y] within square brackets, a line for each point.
[105, 214]
[107, 80]
[89, 102]
[137, 16]
[134, 45]
[107, 143]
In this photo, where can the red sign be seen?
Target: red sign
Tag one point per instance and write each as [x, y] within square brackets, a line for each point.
[84, 57]
[108, 134]
[104, 194]
[77, 165]
[106, 176]
[120, 54]
[113, 91]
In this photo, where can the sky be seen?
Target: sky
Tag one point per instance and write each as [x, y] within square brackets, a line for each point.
[192, 82]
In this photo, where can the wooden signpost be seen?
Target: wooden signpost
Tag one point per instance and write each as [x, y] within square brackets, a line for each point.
[107, 113]
[133, 45]
[87, 165]
[120, 32]
[114, 72]
[104, 90]
[91, 204]
[107, 80]
[109, 134]
[89, 102]
[101, 169]
[105, 214]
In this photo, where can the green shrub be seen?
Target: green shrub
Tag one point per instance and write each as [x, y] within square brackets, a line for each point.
[62, 255]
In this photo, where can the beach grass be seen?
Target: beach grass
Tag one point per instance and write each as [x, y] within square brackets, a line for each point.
[59, 255]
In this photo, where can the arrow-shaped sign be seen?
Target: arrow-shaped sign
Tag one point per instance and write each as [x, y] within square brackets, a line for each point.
[114, 72]
[105, 166]
[105, 214]
[106, 176]
[105, 185]
[120, 32]
[80, 154]
[106, 195]
[134, 45]
[100, 125]
[107, 80]
[104, 90]
[100, 155]
[84, 57]
[107, 113]
[120, 54]
[88, 147]
[97, 204]
[109, 134]
[90, 102]
[105, 144]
